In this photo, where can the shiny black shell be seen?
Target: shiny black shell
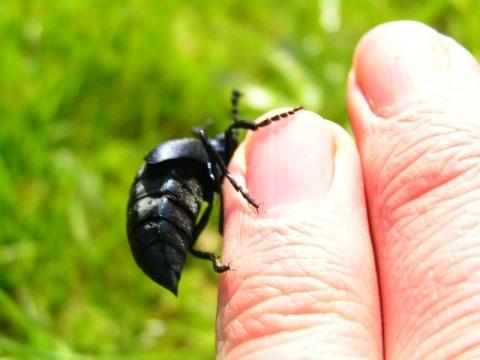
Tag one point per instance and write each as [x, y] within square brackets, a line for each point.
[165, 201]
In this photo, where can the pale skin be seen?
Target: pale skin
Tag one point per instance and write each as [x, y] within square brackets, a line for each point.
[365, 248]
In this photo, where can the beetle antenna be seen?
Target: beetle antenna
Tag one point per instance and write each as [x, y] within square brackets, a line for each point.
[250, 125]
[235, 98]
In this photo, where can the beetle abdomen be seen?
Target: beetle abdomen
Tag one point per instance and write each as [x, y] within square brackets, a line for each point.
[164, 203]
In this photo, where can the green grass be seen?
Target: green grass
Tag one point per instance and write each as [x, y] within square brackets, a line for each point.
[86, 89]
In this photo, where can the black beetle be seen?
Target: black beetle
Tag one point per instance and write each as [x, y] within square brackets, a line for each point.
[167, 194]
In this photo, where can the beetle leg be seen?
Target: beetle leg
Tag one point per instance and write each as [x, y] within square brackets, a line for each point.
[221, 216]
[217, 160]
[249, 125]
[217, 266]
[238, 188]
[202, 222]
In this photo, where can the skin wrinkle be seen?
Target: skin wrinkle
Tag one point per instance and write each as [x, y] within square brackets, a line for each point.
[415, 119]
[430, 252]
[418, 202]
[253, 325]
[453, 202]
[460, 259]
[455, 173]
[306, 274]
[401, 279]
[283, 254]
[420, 241]
[446, 327]
[438, 101]
[380, 167]
[291, 297]
[286, 251]
[324, 313]
[447, 198]
[417, 142]
[471, 235]
[430, 267]
[422, 116]
[453, 140]
[390, 180]
[316, 225]
[303, 335]
[423, 253]
[326, 264]
[452, 301]
[287, 254]
[428, 304]
[274, 229]
[407, 222]
[295, 303]
[254, 246]
[283, 233]
[287, 257]
[315, 314]
[281, 240]
[455, 205]
[245, 288]
[246, 283]
[465, 351]
[262, 325]
[311, 275]
[338, 285]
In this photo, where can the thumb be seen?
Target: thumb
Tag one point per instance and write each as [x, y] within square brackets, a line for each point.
[304, 284]
[414, 100]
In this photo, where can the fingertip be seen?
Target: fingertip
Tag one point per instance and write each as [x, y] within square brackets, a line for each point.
[402, 63]
[290, 161]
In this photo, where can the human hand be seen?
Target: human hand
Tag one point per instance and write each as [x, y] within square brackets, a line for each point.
[306, 284]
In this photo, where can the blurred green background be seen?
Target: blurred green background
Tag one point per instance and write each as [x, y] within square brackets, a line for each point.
[86, 89]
